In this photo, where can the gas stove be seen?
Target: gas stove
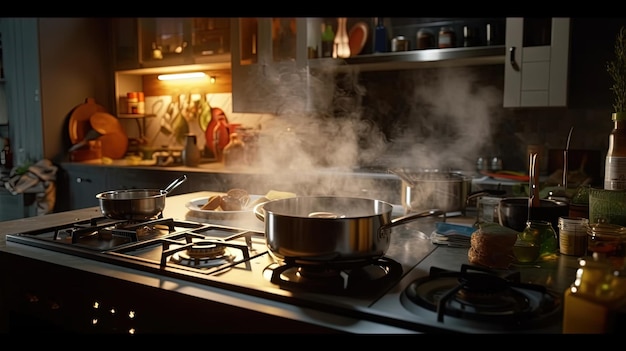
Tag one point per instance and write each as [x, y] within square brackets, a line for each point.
[400, 290]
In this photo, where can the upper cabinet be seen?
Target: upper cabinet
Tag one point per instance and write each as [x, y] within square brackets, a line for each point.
[269, 56]
[283, 56]
[536, 68]
[167, 42]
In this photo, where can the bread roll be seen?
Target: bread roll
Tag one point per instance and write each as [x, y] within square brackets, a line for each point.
[492, 246]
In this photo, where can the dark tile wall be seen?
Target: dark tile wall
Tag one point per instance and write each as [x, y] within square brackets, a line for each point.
[409, 105]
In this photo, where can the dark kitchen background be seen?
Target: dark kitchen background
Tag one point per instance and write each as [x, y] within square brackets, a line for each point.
[66, 60]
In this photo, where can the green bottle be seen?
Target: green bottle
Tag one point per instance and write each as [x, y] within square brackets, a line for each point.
[328, 37]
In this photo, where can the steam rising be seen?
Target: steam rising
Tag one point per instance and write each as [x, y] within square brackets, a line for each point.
[322, 122]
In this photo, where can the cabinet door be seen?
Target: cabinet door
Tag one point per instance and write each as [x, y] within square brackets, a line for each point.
[125, 41]
[269, 64]
[84, 183]
[536, 67]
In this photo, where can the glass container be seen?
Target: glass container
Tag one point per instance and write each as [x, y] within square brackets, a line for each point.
[537, 241]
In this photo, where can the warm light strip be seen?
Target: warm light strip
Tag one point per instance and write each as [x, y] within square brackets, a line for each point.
[178, 76]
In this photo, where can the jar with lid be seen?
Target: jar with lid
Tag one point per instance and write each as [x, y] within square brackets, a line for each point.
[425, 39]
[596, 300]
[447, 37]
[538, 241]
[234, 152]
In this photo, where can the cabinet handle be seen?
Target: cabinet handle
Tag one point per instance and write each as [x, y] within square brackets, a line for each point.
[83, 180]
[512, 58]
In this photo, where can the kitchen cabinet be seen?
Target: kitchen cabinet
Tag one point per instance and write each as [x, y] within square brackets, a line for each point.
[78, 186]
[51, 65]
[169, 41]
[269, 57]
[271, 54]
[536, 68]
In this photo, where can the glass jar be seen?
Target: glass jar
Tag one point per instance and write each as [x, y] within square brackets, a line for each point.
[537, 241]
[607, 241]
[447, 37]
[573, 235]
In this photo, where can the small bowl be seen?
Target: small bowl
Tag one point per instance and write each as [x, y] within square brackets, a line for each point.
[513, 212]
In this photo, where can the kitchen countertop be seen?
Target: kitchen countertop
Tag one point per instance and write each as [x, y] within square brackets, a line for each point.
[556, 275]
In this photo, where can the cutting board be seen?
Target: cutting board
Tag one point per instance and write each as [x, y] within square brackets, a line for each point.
[79, 123]
[114, 139]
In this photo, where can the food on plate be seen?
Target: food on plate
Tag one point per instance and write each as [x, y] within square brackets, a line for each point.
[234, 200]
[492, 246]
[213, 203]
[237, 199]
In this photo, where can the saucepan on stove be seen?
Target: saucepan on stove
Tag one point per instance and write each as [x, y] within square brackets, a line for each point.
[138, 204]
[447, 191]
[330, 228]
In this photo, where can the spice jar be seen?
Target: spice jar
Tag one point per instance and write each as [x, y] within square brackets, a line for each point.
[573, 235]
[447, 37]
[425, 39]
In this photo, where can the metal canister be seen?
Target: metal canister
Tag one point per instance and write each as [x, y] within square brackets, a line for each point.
[399, 43]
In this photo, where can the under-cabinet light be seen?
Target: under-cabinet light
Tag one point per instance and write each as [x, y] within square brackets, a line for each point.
[177, 76]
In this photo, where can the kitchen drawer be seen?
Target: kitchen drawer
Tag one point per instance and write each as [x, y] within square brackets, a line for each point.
[129, 178]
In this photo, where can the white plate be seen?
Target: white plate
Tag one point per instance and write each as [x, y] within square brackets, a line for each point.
[196, 204]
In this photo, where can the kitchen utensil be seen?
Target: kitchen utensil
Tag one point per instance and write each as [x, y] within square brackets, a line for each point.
[78, 125]
[138, 204]
[92, 134]
[533, 182]
[330, 228]
[113, 137]
[513, 212]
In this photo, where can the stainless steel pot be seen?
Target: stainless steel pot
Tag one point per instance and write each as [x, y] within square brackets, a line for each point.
[139, 204]
[447, 191]
[329, 228]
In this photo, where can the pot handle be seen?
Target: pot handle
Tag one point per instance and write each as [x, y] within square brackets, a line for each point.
[413, 216]
[258, 211]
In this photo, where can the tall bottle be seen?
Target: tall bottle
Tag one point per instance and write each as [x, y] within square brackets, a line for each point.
[615, 166]
[328, 37]
[380, 36]
[342, 41]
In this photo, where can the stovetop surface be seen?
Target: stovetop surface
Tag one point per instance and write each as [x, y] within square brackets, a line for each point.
[249, 271]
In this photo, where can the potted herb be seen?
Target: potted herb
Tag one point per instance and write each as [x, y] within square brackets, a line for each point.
[617, 71]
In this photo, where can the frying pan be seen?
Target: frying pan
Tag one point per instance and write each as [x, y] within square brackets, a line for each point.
[330, 228]
[138, 204]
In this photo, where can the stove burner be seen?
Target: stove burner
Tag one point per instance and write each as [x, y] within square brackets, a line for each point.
[338, 278]
[204, 254]
[483, 295]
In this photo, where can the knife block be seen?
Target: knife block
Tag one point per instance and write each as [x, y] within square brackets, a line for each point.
[91, 151]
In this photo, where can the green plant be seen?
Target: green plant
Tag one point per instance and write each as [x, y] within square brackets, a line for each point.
[617, 71]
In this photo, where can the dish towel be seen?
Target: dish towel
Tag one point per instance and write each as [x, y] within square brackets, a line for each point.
[40, 179]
